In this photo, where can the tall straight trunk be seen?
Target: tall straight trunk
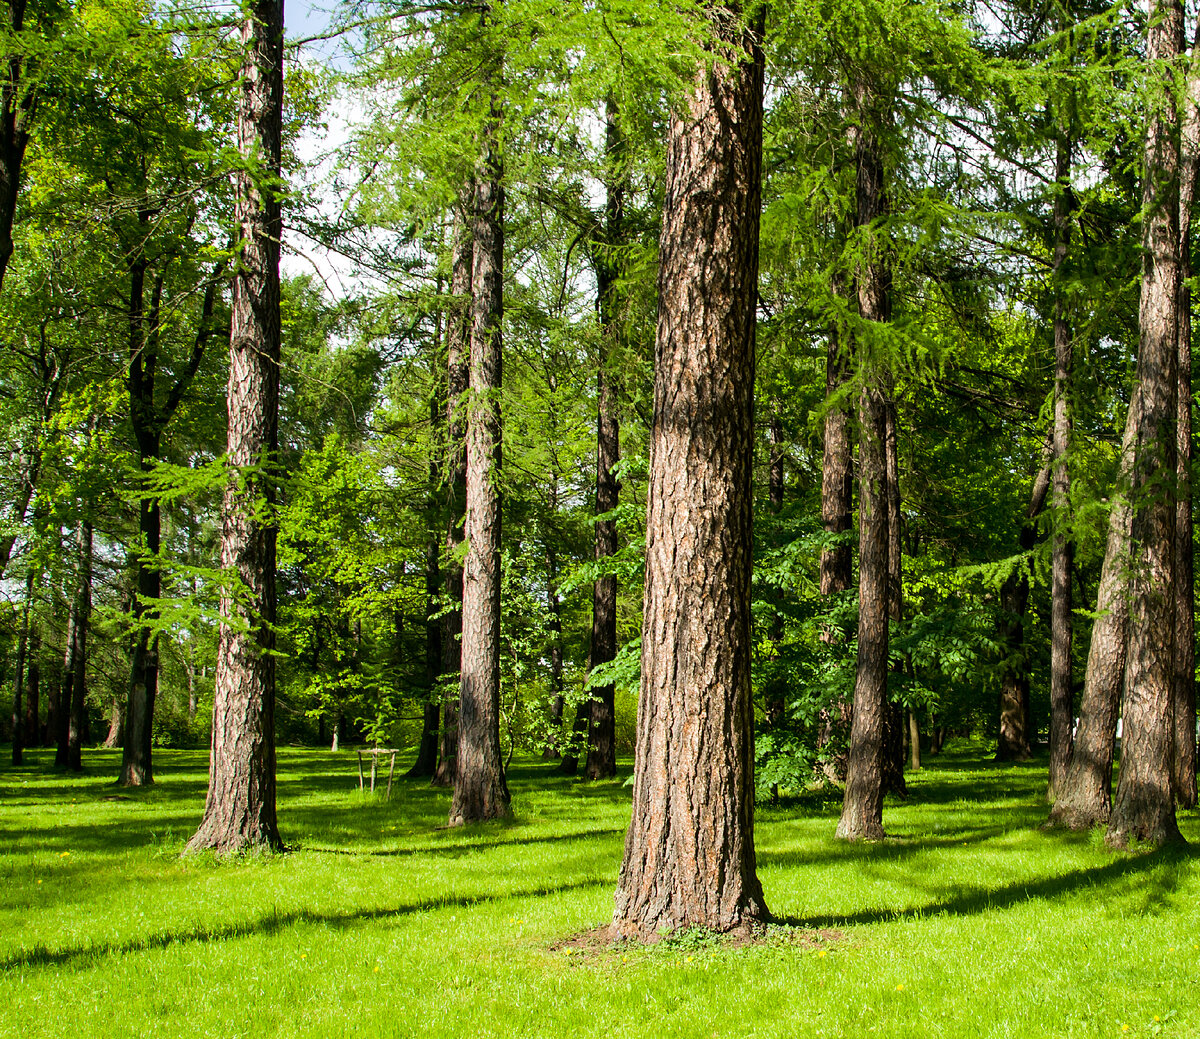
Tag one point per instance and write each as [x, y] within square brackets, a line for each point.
[81, 616]
[602, 745]
[1184, 682]
[1015, 738]
[862, 806]
[116, 725]
[914, 741]
[240, 810]
[551, 750]
[776, 691]
[23, 732]
[16, 110]
[894, 727]
[1144, 806]
[689, 852]
[1062, 550]
[1085, 798]
[33, 683]
[480, 788]
[458, 324]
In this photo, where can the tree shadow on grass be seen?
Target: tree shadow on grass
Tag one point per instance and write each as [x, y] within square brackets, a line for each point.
[1157, 873]
[270, 924]
[461, 848]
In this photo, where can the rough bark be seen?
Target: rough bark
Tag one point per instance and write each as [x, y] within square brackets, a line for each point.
[837, 471]
[1062, 549]
[457, 383]
[480, 789]
[1085, 797]
[914, 741]
[1144, 807]
[1184, 681]
[862, 805]
[1015, 739]
[551, 751]
[689, 852]
[24, 727]
[116, 725]
[893, 759]
[240, 810]
[602, 745]
[81, 615]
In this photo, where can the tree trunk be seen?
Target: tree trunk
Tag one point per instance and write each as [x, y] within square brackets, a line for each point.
[914, 741]
[1084, 800]
[1015, 740]
[33, 683]
[551, 751]
[602, 747]
[480, 789]
[837, 472]
[22, 729]
[458, 325]
[862, 806]
[1184, 681]
[81, 615]
[689, 852]
[16, 109]
[1062, 550]
[893, 761]
[240, 809]
[1144, 807]
[116, 725]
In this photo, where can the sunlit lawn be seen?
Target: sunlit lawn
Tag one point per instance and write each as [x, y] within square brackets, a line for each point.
[966, 922]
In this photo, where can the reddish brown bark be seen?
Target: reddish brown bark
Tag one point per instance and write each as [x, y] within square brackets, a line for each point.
[76, 657]
[689, 853]
[893, 738]
[480, 789]
[1144, 806]
[239, 814]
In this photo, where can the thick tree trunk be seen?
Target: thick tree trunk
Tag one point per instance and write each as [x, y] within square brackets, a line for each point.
[1144, 807]
[1184, 682]
[240, 810]
[1015, 739]
[1062, 550]
[480, 789]
[862, 806]
[1085, 798]
[689, 852]
[81, 616]
[458, 325]
[602, 746]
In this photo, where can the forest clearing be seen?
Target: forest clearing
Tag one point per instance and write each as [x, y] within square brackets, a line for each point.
[967, 921]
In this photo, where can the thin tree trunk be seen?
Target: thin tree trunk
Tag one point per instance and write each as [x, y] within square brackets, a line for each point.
[16, 110]
[914, 741]
[1144, 806]
[458, 325]
[480, 788]
[21, 722]
[551, 751]
[240, 810]
[116, 725]
[893, 762]
[689, 852]
[1062, 549]
[602, 747]
[1184, 682]
[33, 683]
[81, 617]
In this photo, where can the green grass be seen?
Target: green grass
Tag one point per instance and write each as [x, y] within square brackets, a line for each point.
[966, 922]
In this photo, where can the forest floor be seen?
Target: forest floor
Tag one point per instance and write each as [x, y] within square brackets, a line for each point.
[967, 921]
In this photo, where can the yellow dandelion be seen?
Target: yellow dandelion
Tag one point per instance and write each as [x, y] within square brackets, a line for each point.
[689, 959]
[822, 953]
[39, 881]
[64, 854]
[1157, 1018]
[304, 956]
[899, 988]
[1124, 1028]
[377, 968]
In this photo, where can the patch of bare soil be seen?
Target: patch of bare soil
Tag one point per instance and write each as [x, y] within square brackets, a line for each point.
[600, 940]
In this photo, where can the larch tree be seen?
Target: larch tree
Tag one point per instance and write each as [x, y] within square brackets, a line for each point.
[239, 813]
[689, 852]
[1144, 806]
[480, 788]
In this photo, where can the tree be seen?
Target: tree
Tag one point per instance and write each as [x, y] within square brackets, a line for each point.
[689, 853]
[1144, 807]
[239, 813]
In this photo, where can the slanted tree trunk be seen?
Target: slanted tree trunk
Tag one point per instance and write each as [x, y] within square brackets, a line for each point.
[689, 852]
[1062, 549]
[116, 725]
[81, 616]
[1015, 739]
[862, 806]
[1184, 682]
[458, 325]
[240, 810]
[480, 788]
[602, 746]
[1085, 798]
[1144, 806]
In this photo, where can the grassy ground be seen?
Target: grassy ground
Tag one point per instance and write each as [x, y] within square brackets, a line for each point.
[966, 922]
